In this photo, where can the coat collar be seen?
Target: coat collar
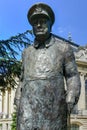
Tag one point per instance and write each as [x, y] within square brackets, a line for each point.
[47, 43]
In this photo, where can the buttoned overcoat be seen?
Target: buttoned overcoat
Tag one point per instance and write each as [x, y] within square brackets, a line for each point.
[43, 100]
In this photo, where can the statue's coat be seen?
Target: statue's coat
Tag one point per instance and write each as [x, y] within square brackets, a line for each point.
[43, 102]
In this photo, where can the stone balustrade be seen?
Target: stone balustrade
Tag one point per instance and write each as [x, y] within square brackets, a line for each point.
[5, 123]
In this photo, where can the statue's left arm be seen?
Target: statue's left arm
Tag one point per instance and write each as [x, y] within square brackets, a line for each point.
[72, 78]
[19, 88]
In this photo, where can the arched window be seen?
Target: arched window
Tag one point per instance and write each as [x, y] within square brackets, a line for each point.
[74, 127]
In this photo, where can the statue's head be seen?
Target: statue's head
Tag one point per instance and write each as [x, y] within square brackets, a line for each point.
[41, 17]
[40, 10]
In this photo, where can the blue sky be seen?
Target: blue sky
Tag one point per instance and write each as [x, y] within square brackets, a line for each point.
[71, 16]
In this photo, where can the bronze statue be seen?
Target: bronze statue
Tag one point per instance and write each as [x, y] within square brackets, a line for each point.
[41, 98]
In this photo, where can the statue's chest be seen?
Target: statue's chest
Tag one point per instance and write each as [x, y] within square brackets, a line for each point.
[44, 61]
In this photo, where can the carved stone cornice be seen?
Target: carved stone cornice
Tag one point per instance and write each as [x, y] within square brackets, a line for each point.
[81, 55]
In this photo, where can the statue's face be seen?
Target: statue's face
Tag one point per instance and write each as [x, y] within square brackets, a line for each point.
[41, 28]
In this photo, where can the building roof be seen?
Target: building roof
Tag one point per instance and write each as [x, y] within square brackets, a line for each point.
[70, 42]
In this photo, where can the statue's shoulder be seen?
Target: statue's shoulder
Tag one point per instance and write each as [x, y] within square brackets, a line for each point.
[62, 42]
[59, 42]
[28, 50]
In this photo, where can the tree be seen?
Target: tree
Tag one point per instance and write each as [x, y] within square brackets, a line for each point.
[14, 121]
[10, 50]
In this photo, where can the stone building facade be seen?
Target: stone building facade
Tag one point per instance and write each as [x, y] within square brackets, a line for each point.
[79, 114]
[6, 107]
[78, 117]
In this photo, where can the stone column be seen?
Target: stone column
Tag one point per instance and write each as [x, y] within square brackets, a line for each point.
[81, 128]
[0, 101]
[4, 127]
[12, 100]
[81, 103]
[9, 102]
[9, 126]
[5, 103]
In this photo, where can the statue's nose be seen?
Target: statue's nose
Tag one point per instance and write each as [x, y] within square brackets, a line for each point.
[38, 24]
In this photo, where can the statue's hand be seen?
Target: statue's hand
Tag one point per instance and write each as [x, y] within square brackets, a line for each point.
[70, 99]
[16, 102]
[70, 107]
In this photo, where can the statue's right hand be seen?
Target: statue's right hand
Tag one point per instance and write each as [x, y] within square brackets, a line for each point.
[16, 102]
[70, 107]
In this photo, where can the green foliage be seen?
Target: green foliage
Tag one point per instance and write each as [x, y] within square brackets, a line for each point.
[10, 49]
[14, 121]
[9, 70]
[0, 125]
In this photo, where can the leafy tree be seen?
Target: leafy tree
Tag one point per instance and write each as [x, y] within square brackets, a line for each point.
[14, 121]
[10, 50]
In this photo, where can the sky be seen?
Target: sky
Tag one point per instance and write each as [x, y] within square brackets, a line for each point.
[70, 18]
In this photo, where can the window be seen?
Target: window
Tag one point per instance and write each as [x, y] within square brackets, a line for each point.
[86, 91]
[74, 127]
[86, 85]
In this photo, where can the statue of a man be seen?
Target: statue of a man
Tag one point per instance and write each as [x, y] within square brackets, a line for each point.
[41, 98]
